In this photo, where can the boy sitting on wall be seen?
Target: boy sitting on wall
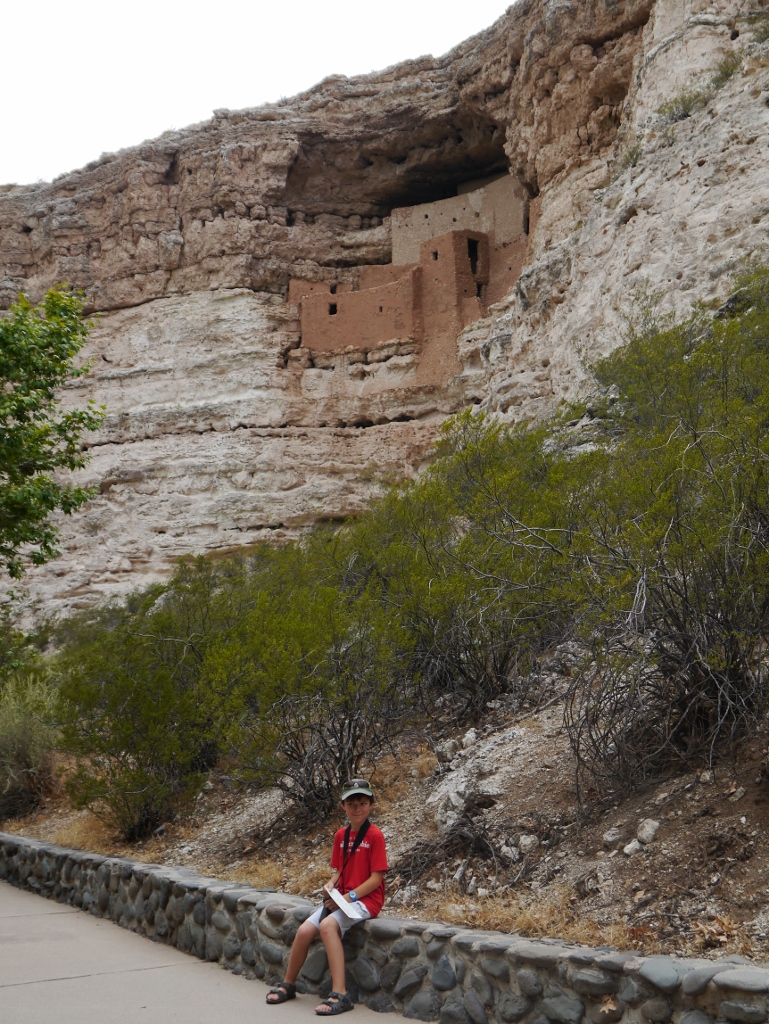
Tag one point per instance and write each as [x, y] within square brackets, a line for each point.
[359, 863]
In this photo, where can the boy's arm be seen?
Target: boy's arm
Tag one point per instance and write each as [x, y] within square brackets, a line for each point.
[374, 880]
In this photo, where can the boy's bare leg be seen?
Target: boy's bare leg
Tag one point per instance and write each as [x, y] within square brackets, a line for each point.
[332, 940]
[299, 949]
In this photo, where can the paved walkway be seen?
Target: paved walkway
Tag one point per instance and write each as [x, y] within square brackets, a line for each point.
[59, 965]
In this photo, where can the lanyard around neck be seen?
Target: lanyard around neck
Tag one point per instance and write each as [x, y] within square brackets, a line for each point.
[356, 843]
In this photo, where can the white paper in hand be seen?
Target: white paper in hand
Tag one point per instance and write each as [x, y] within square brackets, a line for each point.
[351, 909]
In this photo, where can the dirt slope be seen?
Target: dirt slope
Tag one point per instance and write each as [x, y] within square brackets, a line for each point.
[489, 832]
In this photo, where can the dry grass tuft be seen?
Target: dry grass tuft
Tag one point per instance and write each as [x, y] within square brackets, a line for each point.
[84, 831]
[553, 915]
[261, 874]
[306, 878]
[265, 873]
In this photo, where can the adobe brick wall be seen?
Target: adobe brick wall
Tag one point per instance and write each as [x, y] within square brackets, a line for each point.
[429, 303]
[299, 290]
[498, 209]
[388, 312]
[424, 969]
[449, 298]
[373, 276]
[451, 260]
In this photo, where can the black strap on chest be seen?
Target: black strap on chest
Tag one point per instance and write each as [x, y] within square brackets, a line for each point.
[356, 843]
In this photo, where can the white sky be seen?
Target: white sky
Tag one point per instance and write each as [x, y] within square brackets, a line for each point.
[79, 78]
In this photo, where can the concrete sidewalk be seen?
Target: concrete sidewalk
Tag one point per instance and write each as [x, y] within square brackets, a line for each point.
[59, 965]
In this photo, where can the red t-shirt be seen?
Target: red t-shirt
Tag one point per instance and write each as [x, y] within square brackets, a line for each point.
[368, 858]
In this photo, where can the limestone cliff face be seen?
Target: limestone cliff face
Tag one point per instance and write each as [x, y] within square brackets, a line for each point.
[220, 430]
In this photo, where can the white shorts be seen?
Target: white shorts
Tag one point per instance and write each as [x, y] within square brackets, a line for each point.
[345, 923]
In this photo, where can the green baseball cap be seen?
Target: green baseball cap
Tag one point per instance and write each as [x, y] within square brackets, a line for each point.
[357, 787]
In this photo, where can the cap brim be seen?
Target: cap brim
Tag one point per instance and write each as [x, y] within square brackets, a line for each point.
[357, 792]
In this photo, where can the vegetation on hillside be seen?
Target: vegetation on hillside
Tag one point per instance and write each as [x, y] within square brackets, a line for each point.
[40, 443]
[634, 527]
[38, 439]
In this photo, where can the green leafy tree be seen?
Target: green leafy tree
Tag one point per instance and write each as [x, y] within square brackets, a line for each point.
[38, 439]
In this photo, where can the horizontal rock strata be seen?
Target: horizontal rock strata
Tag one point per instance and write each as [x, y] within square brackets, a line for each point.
[223, 428]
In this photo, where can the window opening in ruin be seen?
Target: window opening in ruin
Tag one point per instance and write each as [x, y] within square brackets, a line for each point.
[381, 309]
[472, 252]
[333, 289]
[332, 309]
[479, 291]
[435, 255]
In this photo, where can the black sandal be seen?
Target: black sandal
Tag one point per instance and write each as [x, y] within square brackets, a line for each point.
[284, 991]
[337, 1002]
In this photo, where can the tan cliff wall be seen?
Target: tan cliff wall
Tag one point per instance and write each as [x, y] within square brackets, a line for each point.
[221, 429]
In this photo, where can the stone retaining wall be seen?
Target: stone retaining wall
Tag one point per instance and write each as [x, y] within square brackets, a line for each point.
[425, 970]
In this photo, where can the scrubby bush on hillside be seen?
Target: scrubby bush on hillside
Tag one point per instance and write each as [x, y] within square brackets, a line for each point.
[135, 709]
[314, 674]
[678, 528]
[28, 721]
[28, 739]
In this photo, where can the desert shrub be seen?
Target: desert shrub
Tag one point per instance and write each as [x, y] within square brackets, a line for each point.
[28, 739]
[313, 675]
[685, 103]
[259, 663]
[647, 545]
[759, 21]
[631, 156]
[473, 588]
[726, 69]
[17, 649]
[135, 711]
[678, 547]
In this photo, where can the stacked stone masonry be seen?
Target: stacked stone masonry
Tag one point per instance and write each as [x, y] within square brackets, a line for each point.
[451, 259]
[425, 970]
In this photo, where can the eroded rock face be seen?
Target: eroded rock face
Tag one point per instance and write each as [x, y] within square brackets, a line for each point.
[220, 428]
[673, 215]
[210, 442]
[254, 196]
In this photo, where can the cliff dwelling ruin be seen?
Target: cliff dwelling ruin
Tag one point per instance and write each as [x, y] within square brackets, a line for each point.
[234, 415]
[451, 259]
